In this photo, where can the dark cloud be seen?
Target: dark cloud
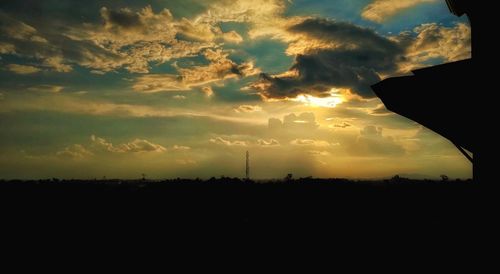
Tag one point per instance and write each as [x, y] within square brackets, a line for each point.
[345, 33]
[124, 18]
[54, 50]
[354, 60]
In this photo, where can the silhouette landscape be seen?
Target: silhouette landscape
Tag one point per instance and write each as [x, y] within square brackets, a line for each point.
[252, 89]
[394, 203]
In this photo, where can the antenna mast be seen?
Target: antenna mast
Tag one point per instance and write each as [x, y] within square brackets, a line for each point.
[247, 170]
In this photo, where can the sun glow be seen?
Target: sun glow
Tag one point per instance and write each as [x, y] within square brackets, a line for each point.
[327, 102]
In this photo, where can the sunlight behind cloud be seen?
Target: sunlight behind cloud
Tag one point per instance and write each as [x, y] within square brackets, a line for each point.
[326, 102]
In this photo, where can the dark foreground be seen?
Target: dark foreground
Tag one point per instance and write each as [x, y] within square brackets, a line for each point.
[395, 204]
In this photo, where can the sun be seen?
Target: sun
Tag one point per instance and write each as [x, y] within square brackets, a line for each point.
[326, 102]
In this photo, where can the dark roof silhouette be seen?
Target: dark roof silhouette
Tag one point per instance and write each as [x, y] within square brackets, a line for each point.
[437, 97]
[458, 7]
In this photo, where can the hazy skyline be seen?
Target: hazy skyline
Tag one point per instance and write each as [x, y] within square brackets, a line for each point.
[184, 88]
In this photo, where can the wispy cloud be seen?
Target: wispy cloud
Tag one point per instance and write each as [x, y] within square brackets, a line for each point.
[381, 10]
[310, 142]
[222, 141]
[46, 88]
[180, 148]
[22, 69]
[247, 109]
[71, 104]
[268, 143]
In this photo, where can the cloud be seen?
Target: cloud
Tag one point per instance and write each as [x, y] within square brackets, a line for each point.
[331, 54]
[190, 31]
[222, 141]
[135, 39]
[185, 162]
[27, 41]
[371, 131]
[232, 37]
[22, 69]
[179, 97]
[380, 110]
[310, 142]
[219, 69]
[17, 30]
[57, 64]
[72, 104]
[125, 26]
[46, 88]
[431, 41]
[97, 72]
[142, 37]
[140, 145]
[208, 91]
[381, 10]
[254, 11]
[371, 142]
[319, 152]
[248, 109]
[268, 143]
[180, 148]
[74, 152]
[263, 17]
[7, 48]
[101, 145]
[135, 146]
[354, 62]
[127, 38]
[198, 31]
[342, 125]
[306, 120]
[122, 18]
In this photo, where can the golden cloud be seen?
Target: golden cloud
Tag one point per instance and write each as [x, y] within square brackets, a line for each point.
[208, 91]
[247, 109]
[435, 41]
[310, 142]
[74, 152]
[219, 69]
[135, 146]
[22, 69]
[381, 10]
[46, 88]
[222, 141]
[268, 143]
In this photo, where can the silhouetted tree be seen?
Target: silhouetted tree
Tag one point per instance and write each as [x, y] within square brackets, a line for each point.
[444, 178]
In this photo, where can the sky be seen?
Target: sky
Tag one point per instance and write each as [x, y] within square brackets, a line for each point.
[183, 88]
